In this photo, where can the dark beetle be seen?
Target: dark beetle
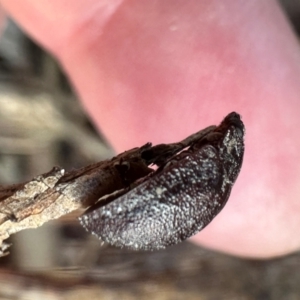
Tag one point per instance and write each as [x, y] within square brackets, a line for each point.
[178, 199]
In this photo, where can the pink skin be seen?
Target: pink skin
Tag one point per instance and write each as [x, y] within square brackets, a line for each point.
[160, 70]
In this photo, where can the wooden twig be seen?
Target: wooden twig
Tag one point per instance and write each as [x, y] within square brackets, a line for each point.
[56, 193]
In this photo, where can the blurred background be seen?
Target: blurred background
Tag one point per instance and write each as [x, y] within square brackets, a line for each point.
[43, 125]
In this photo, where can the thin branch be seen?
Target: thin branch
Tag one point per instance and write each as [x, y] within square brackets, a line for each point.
[56, 193]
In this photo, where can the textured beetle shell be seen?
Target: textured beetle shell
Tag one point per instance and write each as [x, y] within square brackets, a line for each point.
[178, 200]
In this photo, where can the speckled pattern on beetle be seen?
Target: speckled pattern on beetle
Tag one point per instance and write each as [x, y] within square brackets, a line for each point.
[178, 199]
